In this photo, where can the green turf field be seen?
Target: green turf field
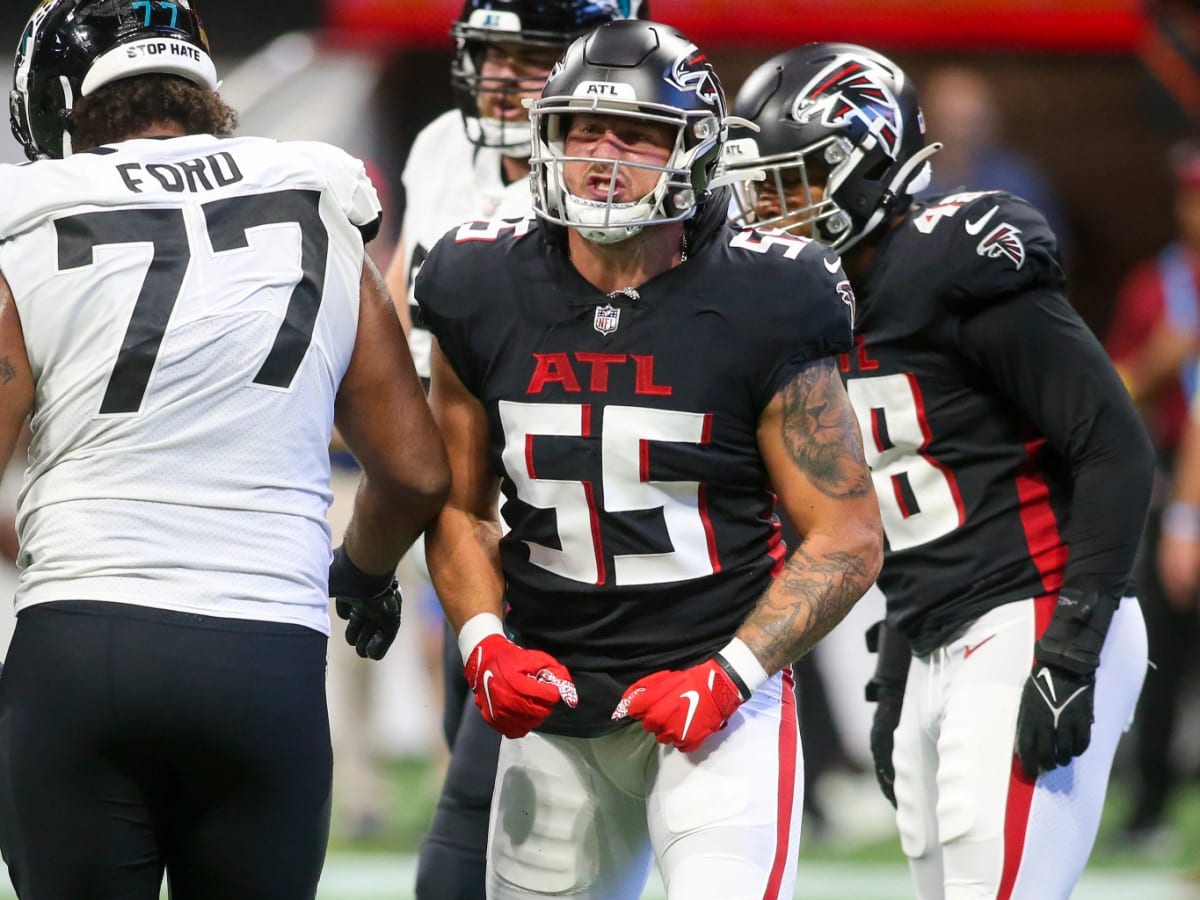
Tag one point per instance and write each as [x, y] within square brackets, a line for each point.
[384, 866]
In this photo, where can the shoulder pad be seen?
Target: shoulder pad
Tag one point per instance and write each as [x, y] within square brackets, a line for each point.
[988, 244]
[462, 265]
[351, 185]
[803, 300]
[770, 241]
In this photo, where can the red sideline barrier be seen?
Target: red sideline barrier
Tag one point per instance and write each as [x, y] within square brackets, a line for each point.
[1097, 26]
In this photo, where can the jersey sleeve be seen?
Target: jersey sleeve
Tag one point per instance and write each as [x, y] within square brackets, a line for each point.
[352, 187]
[999, 245]
[443, 290]
[1047, 363]
[807, 310]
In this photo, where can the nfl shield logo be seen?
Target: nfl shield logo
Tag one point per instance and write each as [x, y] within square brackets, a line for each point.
[606, 319]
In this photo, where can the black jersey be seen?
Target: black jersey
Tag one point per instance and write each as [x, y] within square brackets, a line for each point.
[983, 400]
[623, 429]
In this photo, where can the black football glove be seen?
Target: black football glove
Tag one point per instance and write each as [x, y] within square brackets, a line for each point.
[888, 704]
[886, 691]
[370, 604]
[1054, 724]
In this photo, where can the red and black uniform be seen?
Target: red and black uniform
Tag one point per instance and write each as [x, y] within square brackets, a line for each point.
[623, 427]
[1010, 466]
[1000, 438]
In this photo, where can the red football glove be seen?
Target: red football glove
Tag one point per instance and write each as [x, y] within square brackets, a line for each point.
[515, 688]
[682, 707]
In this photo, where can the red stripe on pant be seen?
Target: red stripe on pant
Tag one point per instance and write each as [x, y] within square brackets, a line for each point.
[1020, 785]
[789, 734]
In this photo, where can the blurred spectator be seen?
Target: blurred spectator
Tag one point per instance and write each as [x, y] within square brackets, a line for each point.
[1169, 50]
[961, 111]
[1153, 341]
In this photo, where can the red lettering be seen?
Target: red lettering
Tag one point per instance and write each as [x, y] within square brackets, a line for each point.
[553, 368]
[645, 378]
[600, 363]
[865, 363]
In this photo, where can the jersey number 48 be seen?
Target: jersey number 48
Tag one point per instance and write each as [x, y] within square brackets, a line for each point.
[919, 500]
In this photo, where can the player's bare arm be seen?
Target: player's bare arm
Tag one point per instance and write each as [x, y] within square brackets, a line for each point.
[16, 379]
[462, 546]
[810, 440]
[397, 284]
[821, 433]
[382, 415]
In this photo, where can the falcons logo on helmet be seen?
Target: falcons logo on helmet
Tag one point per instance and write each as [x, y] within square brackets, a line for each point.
[851, 89]
[1003, 241]
[688, 73]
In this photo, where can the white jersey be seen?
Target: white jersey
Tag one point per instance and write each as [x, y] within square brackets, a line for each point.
[447, 181]
[189, 308]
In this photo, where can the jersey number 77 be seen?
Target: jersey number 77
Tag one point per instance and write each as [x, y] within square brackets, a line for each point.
[165, 229]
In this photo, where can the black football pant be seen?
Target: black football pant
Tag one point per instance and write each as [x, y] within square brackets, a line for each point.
[453, 858]
[133, 740]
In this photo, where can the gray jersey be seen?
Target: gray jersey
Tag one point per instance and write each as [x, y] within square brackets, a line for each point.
[189, 308]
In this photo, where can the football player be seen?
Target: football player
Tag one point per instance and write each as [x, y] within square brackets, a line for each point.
[473, 162]
[1013, 476]
[185, 315]
[639, 382]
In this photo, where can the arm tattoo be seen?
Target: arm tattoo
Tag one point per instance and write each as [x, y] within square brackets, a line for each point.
[803, 604]
[7, 372]
[821, 432]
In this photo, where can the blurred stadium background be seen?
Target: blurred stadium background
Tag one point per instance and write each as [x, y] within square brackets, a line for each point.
[1091, 92]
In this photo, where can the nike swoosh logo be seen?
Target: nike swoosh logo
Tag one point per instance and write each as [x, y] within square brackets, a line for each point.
[969, 650]
[977, 226]
[832, 266]
[487, 694]
[1044, 674]
[693, 700]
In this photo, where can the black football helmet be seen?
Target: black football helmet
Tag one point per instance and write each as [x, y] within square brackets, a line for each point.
[72, 47]
[638, 70]
[835, 116]
[530, 24]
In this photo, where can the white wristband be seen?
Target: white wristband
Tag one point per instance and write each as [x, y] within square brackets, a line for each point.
[475, 629]
[743, 661]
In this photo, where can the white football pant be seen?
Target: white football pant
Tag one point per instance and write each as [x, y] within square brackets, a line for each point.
[972, 824]
[587, 817]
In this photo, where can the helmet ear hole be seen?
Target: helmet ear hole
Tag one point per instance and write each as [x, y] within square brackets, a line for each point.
[877, 170]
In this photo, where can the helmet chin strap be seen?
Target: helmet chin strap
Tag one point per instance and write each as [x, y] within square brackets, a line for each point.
[908, 179]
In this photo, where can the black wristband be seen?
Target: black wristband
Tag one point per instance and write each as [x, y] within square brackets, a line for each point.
[891, 667]
[348, 580]
[743, 688]
[1075, 636]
